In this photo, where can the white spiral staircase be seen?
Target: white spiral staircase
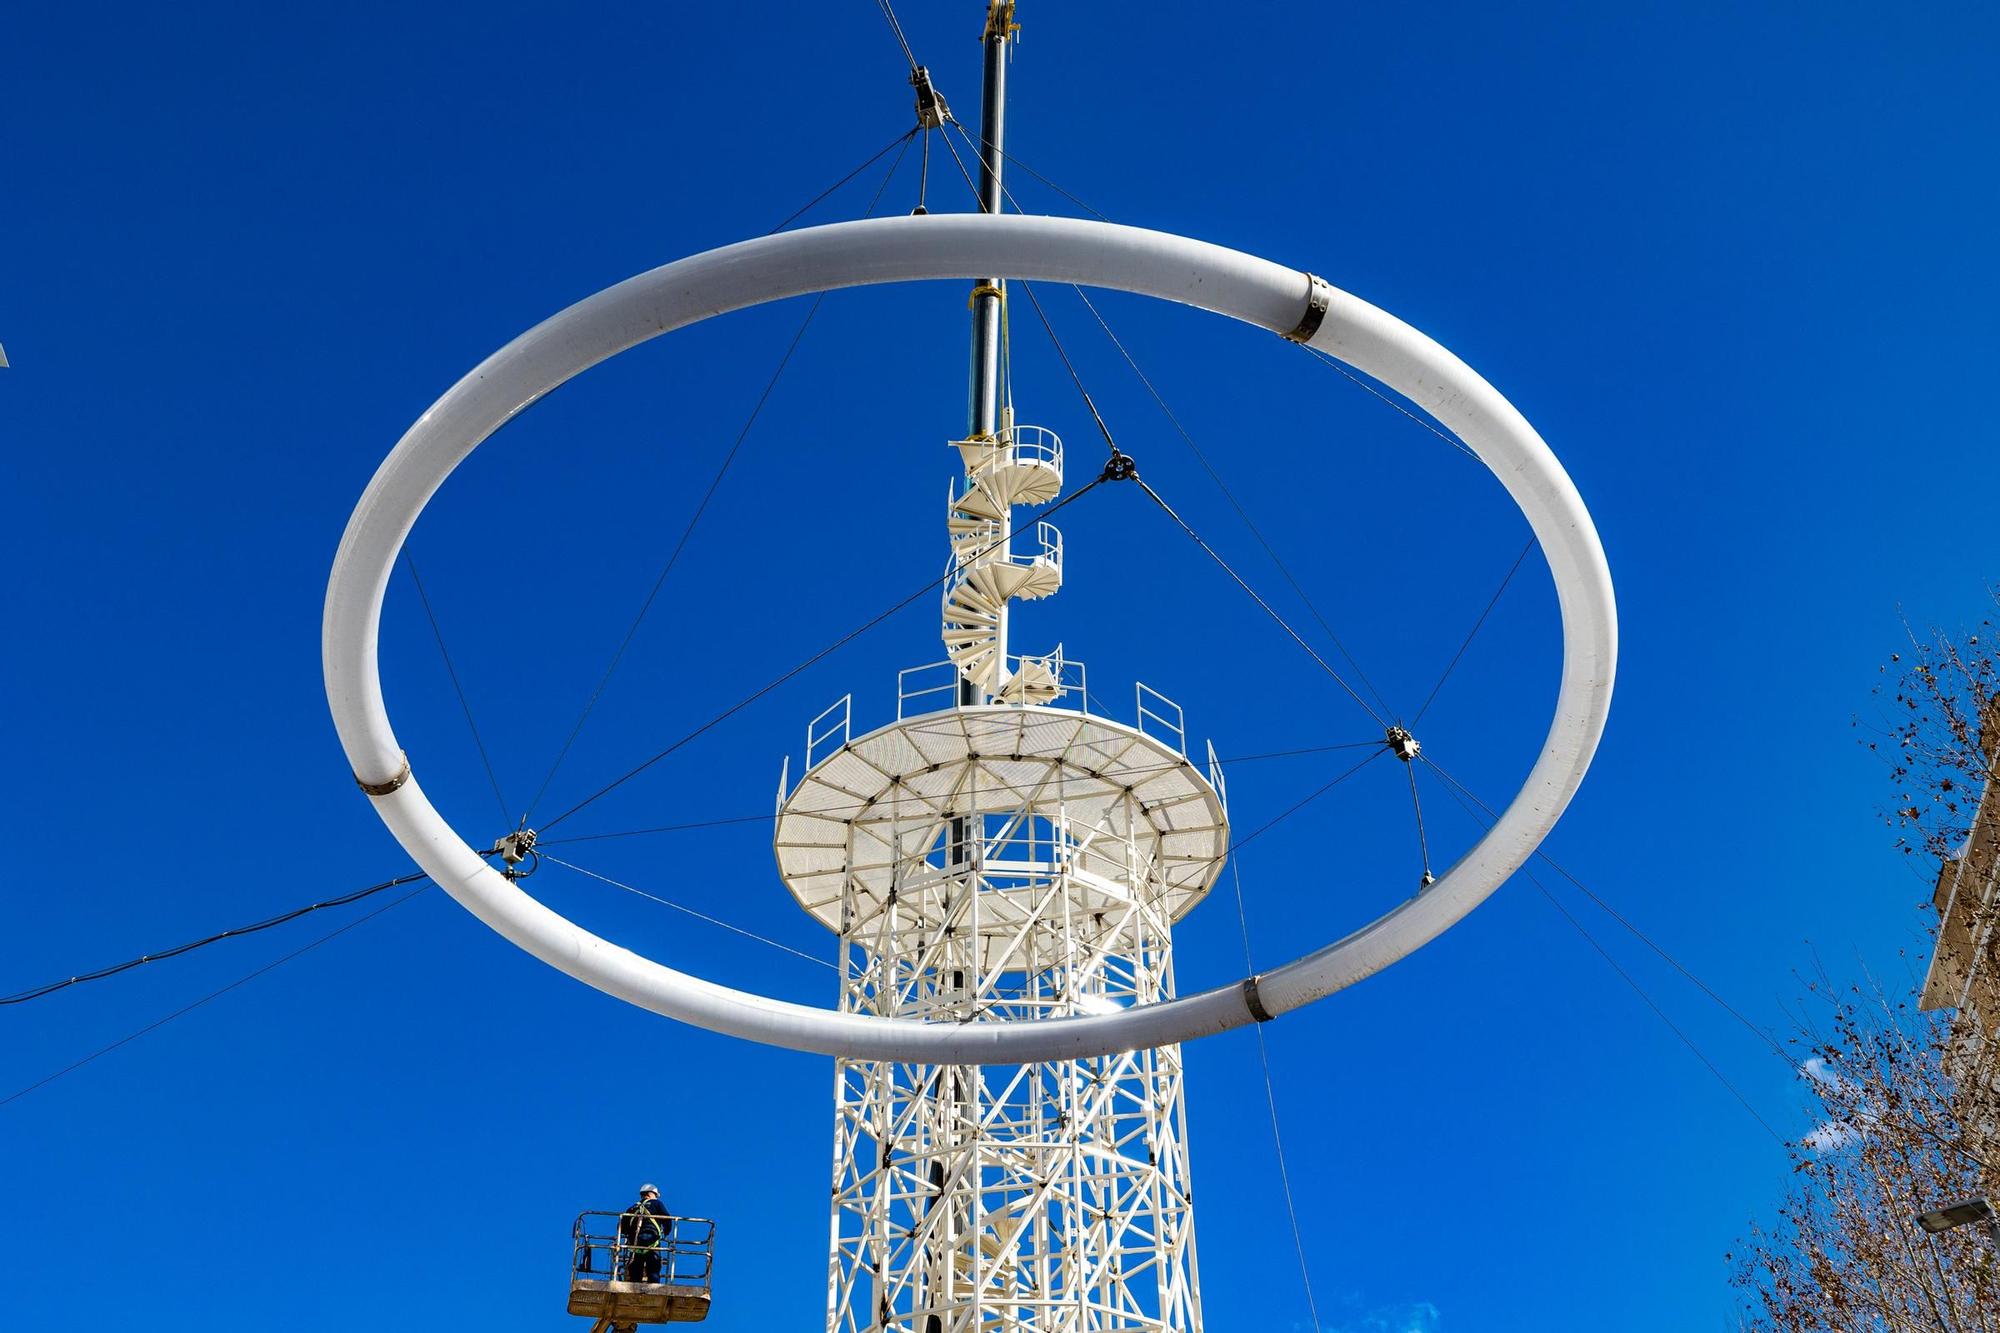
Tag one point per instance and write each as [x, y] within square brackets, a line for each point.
[1020, 465]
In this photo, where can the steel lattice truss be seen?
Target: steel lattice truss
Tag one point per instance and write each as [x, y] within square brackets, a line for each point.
[1030, 1197]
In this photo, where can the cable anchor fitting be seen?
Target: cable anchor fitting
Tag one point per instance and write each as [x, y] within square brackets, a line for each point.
[1120, 467]
[1402, 744]
[517, 850]
[932, 113]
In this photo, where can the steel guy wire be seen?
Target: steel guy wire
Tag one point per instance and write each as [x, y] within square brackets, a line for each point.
[1333, 362]
[1658, 1012]
[1089, 402]
[1464, 794]
[889, 13]
[1239, 844]
[1182, 430]
[1476, 626]
[673, 558]
[699, 916]
[409, 562]
[1015, 161]
[895, 802]
[1337, 364]
[977, 201]
[1423, 842]
[1466, 800]
[215, 994]
[713, 486]
[924, 173]
[1267, 608]
[1234, 503]
[36, 993]
[1763, 1036]
[748, 699]
[902, 139]
[1271, 1098]
[1271, 1101]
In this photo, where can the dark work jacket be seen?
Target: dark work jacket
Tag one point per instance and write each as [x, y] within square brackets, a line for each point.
[645, 1224]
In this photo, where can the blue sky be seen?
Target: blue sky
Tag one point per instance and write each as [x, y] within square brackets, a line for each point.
[1734, 262]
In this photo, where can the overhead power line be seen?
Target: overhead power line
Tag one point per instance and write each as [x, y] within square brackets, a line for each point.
[22, 997]
[214, 995]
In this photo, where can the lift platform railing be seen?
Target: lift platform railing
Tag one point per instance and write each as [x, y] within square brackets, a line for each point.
[687, 1254]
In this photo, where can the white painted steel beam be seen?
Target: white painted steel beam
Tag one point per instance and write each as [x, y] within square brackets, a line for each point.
[850, 254]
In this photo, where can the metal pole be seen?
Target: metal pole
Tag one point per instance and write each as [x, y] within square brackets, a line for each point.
[984, 393]
[983, 403]
[986, 301]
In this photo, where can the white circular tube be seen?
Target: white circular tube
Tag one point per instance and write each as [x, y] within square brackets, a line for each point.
[963, 247]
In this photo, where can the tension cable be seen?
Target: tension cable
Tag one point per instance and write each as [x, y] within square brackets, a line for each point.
[713, 486]
[928, 586]
[1268, 609]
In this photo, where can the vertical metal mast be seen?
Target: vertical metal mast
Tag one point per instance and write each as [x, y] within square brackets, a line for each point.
[984, 390]
[1012, 856]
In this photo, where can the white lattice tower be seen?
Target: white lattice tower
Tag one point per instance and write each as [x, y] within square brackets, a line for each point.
[990, 862]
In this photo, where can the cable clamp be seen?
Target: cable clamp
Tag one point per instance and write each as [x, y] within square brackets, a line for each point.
[932, 113]
[1255, 1002]
[1402, 744]
[384, 788]
[1120, 467]
[984, 289]
[1319, 299]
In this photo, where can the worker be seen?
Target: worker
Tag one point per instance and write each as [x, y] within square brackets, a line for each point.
[644, 1230]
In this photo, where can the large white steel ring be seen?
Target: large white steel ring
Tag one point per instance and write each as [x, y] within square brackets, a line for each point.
[853, 254]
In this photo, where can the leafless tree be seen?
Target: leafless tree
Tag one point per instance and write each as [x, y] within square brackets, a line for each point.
[1845, 1251]
[1938, 729]
[1904, 1099]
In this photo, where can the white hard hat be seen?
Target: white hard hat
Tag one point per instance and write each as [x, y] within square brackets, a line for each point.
[649, 1189]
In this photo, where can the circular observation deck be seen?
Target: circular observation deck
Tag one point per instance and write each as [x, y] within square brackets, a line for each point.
[1116, 809]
